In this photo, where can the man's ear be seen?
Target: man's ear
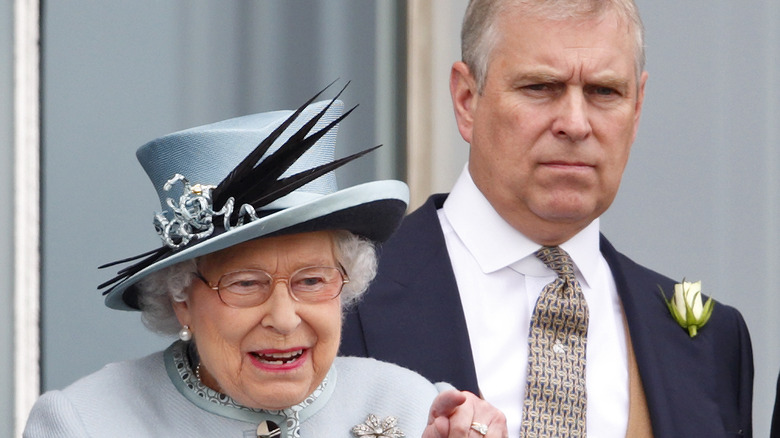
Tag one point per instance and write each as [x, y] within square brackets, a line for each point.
[640, 99]
[464, 93]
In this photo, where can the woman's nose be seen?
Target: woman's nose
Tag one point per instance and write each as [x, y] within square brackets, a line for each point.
[281, 309]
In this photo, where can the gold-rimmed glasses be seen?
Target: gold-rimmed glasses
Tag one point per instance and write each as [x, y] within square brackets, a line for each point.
[252, 287]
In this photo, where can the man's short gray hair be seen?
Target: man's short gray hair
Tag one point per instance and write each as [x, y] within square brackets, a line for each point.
[479, 33]
[356, 255]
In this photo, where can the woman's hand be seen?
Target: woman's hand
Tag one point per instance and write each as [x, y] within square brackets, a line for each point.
[453, 413]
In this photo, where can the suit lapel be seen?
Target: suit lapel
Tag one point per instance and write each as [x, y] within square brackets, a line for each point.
[673, 367]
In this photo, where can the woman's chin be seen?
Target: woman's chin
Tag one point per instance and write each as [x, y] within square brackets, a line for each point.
[276, 385]
[275, 397]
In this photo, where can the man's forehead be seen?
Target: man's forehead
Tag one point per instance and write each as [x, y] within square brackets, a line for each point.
[515, 20]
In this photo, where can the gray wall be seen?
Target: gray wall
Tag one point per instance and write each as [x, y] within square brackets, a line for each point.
[6, 219]
[701, 194]
[118, 74]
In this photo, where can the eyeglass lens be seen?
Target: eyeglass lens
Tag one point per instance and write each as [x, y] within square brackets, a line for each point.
[253, 287]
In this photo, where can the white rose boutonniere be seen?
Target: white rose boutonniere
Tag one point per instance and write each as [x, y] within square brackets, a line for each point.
[687, 308]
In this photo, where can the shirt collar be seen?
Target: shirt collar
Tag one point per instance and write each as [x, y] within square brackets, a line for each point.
[585, 250]
[495, 244]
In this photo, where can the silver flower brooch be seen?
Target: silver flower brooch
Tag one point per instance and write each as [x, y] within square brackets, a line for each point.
[373, 428]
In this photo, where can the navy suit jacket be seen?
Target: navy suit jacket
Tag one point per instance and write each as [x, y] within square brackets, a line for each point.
[412, 316]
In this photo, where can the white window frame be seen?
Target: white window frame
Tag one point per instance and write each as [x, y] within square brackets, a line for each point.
[26, 209]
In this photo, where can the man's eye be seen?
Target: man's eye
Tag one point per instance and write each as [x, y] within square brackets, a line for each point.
[545, 87]
[604, 91]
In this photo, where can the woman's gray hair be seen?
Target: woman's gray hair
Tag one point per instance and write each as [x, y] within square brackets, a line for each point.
[156, 292]
[479, 33]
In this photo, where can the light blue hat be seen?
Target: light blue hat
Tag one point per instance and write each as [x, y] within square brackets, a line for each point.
[259, 175]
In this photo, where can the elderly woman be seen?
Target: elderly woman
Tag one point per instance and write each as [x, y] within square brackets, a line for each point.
[260, 255]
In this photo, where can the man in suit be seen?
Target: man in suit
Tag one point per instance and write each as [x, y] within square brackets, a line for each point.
[549, 96]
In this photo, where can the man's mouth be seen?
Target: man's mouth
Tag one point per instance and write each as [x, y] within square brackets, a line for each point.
[280, 358]
[566, 164]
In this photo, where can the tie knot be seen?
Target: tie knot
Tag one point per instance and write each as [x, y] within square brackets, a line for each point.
[555, 258]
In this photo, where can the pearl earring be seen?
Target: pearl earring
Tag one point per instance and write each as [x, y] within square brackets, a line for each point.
[185, 334]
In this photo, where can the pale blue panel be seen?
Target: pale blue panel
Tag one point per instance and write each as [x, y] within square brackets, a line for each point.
[118, 74]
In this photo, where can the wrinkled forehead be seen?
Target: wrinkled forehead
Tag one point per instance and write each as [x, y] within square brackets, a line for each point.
[511, 14]
[291, 249]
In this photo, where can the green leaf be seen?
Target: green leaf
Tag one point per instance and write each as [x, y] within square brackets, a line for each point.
[707, 312]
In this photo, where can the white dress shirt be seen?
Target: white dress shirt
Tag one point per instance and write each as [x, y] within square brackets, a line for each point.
[500, 279]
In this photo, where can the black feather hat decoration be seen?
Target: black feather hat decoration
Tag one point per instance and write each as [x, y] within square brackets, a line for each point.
[219, 187]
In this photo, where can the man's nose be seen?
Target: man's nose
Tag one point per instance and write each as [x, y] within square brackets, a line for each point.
[572, 120]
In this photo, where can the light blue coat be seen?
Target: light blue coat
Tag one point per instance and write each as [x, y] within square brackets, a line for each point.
[139, 399]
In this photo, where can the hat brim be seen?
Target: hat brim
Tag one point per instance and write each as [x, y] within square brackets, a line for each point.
[372, 210]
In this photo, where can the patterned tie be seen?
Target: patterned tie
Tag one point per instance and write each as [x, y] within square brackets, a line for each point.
[555, 399]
